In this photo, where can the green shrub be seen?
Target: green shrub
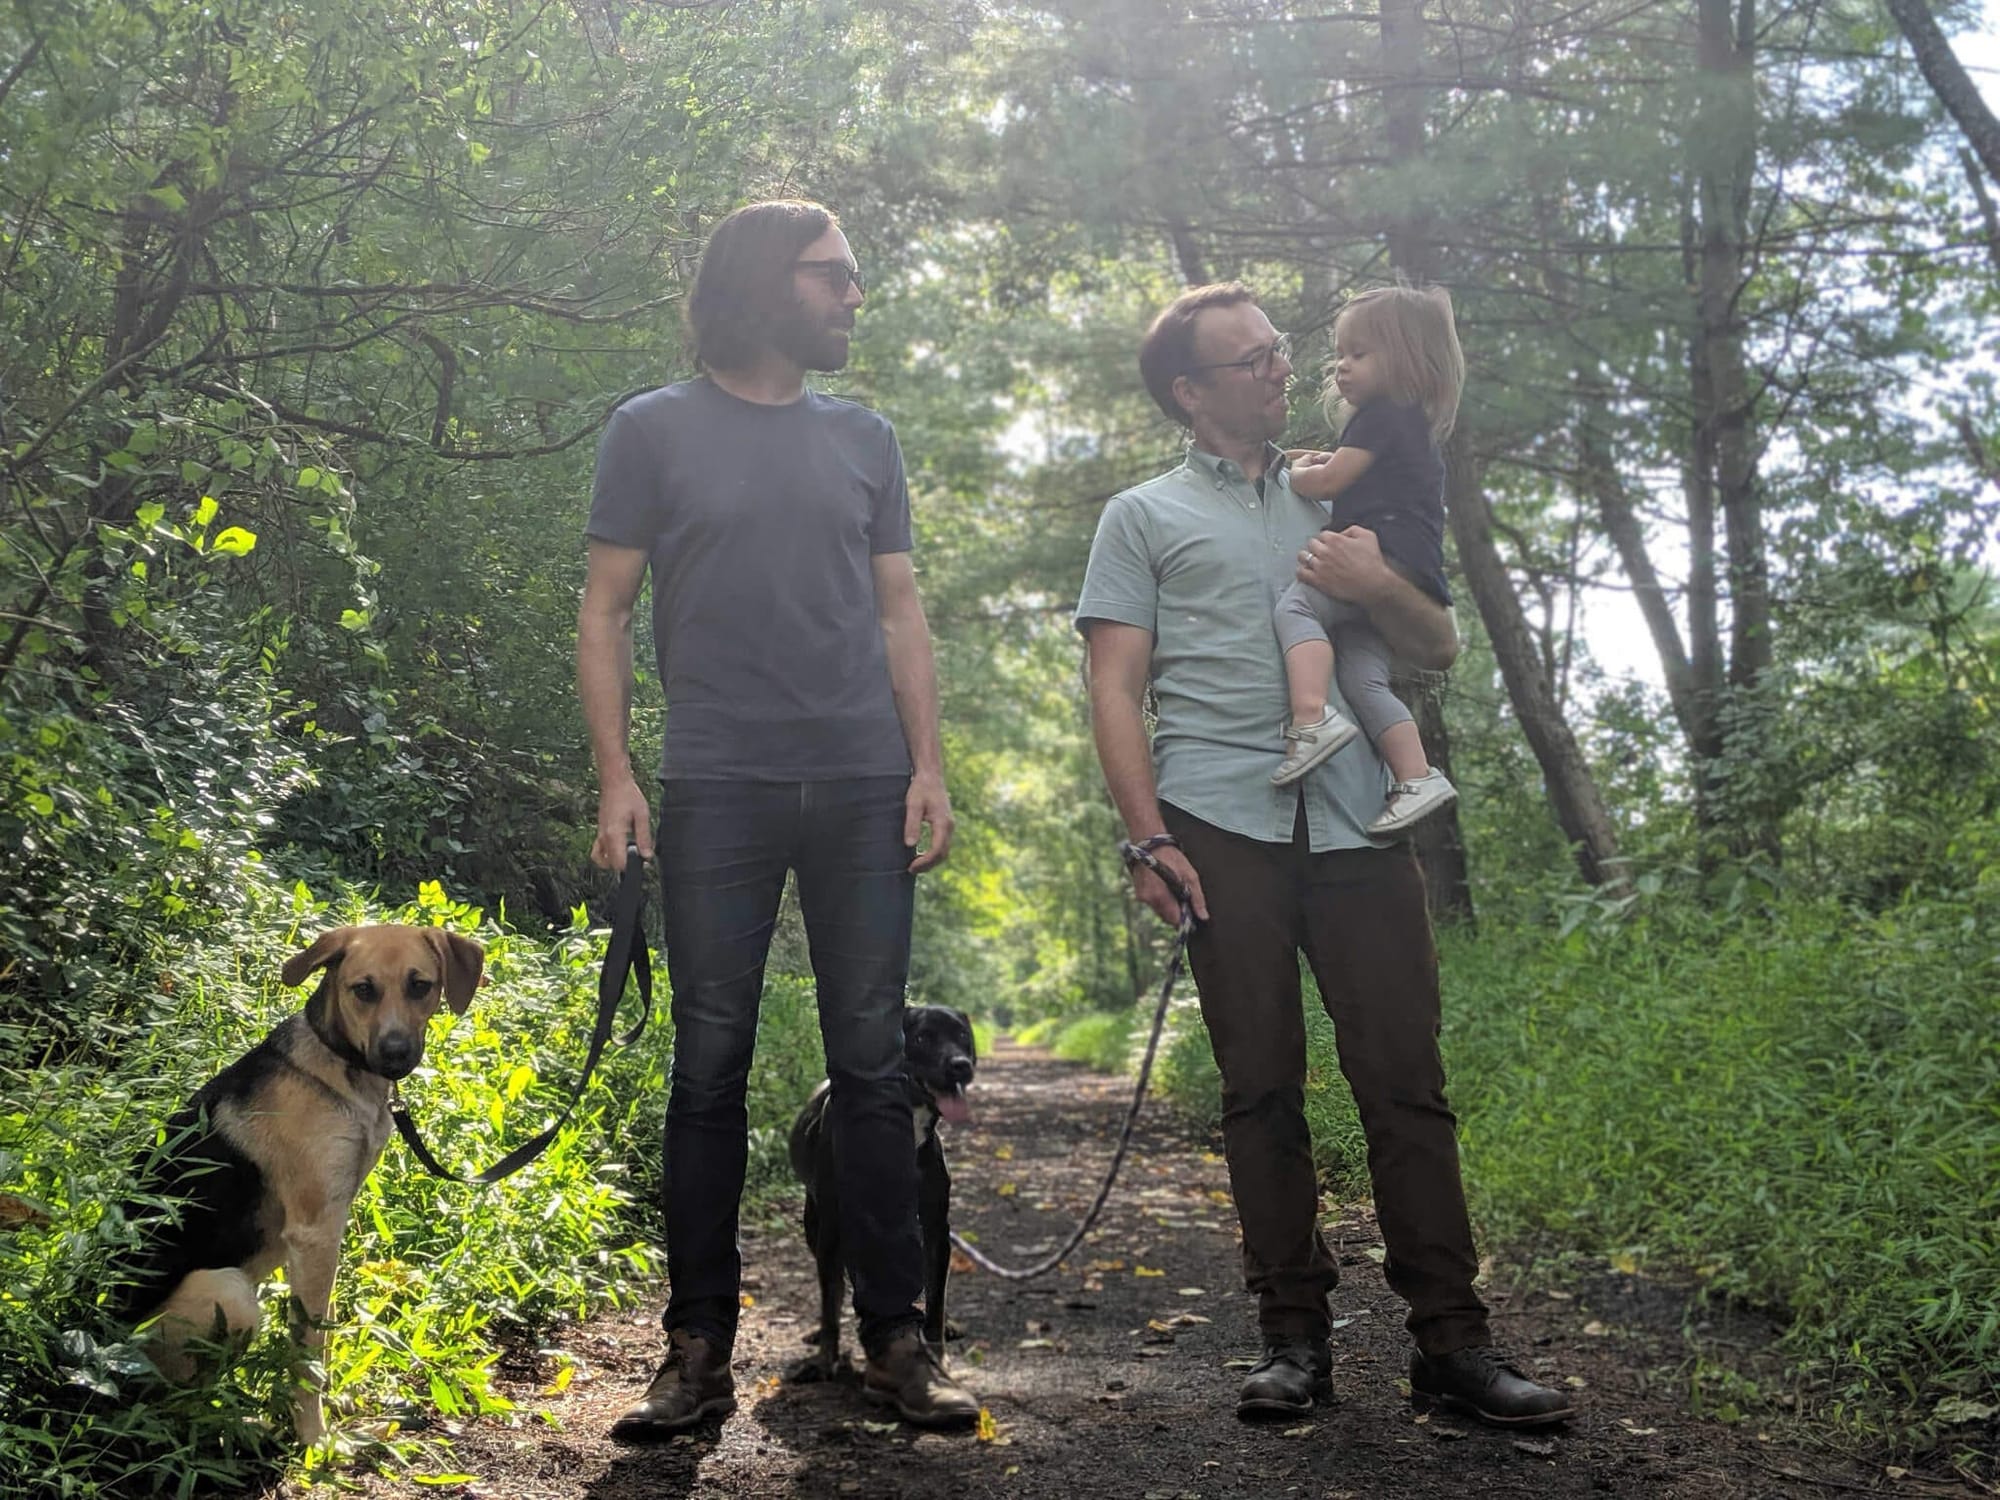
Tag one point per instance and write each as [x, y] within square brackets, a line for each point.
[1799, 1106]
[1103, 1040]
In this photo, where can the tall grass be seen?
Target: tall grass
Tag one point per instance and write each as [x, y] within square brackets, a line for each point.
[433, 1274]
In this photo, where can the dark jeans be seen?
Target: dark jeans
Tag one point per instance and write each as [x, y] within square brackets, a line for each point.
[1359, 916]
[724, 848]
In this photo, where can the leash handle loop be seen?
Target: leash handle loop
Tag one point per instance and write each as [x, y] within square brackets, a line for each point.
[625, 958]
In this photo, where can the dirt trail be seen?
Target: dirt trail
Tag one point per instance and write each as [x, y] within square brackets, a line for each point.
[1116, 1377]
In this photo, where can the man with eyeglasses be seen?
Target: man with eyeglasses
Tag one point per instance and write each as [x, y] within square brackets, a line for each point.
[1177, 597]
[801, 736]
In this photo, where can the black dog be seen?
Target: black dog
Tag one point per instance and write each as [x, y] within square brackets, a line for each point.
[938, 1048]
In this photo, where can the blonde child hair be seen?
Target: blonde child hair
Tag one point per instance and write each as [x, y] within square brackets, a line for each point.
[1412, 333]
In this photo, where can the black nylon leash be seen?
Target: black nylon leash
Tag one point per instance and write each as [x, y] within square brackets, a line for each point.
[624, 959]
[1140, 853]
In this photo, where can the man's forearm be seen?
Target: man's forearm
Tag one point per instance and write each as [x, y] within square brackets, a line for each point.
[1118, 724]
[906, 637]
[604, 684]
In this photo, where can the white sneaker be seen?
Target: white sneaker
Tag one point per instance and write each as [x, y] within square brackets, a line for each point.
[1313, 743]
[1410, 802]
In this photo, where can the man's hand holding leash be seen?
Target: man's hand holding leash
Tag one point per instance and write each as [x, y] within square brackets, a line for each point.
[1155, 893]
[622, 818]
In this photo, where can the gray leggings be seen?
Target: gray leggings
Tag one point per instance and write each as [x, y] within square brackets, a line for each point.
[1361, 657]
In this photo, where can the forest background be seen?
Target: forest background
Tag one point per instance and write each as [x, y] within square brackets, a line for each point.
[310, 315]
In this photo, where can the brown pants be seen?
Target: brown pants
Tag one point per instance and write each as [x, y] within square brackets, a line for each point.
[1359, 916]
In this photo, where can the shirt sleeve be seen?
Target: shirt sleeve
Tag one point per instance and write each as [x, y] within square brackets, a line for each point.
[889, 519]
[1119, 583]
[627, 499]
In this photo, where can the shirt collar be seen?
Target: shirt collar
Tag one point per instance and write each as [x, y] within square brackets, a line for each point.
[1276, 463]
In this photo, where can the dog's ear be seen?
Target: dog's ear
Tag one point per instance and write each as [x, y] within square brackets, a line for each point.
[326, 949]
[463, 960]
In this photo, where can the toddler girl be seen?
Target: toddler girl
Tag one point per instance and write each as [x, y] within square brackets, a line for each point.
[1397, 372]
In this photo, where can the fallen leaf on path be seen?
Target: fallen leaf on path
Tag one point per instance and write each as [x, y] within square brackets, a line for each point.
[1635, 1429]
[961, 1263]
[1576, 1382]
[1956, 1411]
[1146, 1271]
[1036, 1344]
[1537, 1447]
[1194, 1291]
[988, 1428]
[1376, 1253]
[1007, 1190]
[1594, 1329]
[1298, 1432]
[1004, 1153]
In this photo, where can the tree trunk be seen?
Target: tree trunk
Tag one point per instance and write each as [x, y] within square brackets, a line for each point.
[1572, 792]
[1620, 519]
[1440, 841]
[1949, 81]
[1726, 152]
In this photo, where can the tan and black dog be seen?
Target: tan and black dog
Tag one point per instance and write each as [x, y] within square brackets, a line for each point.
[939, 1058]
[267, 1157]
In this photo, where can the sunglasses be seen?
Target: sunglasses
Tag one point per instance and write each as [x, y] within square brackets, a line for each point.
[838, 273]
[1258, 364]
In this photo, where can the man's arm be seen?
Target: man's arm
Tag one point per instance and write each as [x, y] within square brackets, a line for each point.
[1349, 565]
[604, 683]
[906, 635]
[1121, 662]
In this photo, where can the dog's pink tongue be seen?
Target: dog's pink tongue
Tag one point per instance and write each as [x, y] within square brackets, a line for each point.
[953, 1107]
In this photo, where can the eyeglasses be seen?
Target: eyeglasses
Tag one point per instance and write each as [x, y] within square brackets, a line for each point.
[838, 273]
[1258, 364]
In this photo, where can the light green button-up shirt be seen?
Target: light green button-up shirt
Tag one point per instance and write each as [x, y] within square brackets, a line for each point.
[1199, 558]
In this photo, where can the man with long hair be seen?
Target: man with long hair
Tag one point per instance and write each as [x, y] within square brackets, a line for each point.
[1177, 597]
[801, 736]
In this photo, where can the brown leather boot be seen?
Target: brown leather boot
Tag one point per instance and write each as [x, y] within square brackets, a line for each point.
[907, 1375]
[693, 1385]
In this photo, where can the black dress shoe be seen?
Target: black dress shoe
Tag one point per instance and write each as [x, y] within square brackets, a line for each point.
[1485, 1383]
[1285, 1381]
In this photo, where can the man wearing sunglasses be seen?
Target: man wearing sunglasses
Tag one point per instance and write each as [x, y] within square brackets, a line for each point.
[801, 736]
[1177, 597]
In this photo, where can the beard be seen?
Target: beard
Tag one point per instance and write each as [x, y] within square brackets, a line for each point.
[813, 342]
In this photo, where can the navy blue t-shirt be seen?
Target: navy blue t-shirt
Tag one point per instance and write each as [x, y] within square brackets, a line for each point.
[1401, 497]
[761, 523]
